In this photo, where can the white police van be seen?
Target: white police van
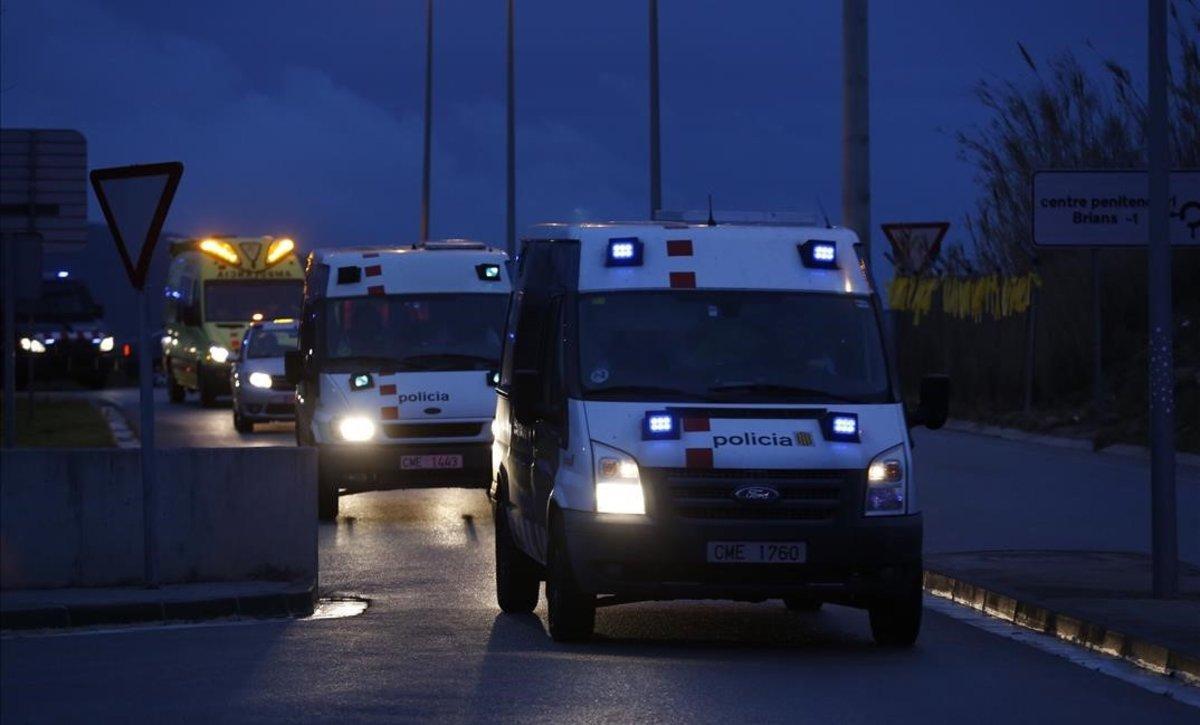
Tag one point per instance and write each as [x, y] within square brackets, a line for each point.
[399, 352]
[703, 411]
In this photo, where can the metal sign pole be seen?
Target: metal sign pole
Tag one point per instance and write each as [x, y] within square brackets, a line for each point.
[427, 139]
[146, 385]
[10, 344]
[1164, 538]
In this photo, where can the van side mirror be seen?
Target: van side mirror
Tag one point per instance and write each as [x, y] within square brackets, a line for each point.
[293, 366]
[934, 405]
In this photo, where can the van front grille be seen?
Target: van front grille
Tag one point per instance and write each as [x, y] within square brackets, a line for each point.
[432, 430]
[707, 494]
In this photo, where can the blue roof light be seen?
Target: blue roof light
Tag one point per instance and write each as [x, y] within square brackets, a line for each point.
[660, 425]
[624, 252]
[819, 254]
[841, 427]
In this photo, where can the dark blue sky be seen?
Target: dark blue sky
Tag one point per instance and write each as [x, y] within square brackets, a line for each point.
[304, 117]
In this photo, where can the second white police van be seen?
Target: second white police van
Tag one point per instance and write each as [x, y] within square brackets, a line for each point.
[399, 353]
[703, 411]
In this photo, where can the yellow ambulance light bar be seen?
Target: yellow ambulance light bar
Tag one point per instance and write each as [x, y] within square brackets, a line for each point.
[223, 251]
[279, 249]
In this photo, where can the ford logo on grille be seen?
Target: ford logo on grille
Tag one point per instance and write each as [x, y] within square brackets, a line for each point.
[756, 494]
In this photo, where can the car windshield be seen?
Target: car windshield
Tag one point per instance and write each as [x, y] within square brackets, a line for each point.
[416, 332]
[730, 346]
[241, 300]
[271, 343]
[60, 301]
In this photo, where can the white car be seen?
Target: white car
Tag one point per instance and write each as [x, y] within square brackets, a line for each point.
[261, 392]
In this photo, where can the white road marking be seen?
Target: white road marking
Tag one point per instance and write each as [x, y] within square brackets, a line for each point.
[1102, 663]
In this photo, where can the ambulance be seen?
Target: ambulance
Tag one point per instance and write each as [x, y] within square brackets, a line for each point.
[398, 359]
[703, 411]
[216, 288]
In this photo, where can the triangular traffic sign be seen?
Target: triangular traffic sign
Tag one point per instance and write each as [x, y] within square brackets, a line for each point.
[135, 200]
[915, 245]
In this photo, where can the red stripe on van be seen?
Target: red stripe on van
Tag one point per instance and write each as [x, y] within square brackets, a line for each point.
[683, 280]
[391, 413]
[699, 458]
[373, 271]
[695, 425]
[679, 247]
[375, 289]
[387, 389]
[370, 255]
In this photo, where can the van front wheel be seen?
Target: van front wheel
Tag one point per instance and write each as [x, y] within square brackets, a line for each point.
[517, 580]
[896, 619]
[572, 612]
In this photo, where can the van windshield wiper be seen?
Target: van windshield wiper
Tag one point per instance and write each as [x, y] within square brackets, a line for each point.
[657, 391]
[453, 359]
[781, 391]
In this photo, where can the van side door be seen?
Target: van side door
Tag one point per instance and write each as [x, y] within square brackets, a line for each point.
[549, 431]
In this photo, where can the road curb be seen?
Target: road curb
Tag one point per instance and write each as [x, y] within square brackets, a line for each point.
[1124, 450]
[296, 603]
[123, 436]
[1091, 635]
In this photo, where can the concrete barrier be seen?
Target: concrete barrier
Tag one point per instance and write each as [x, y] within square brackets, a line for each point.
[73, 518]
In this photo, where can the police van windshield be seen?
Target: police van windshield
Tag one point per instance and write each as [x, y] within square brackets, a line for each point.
[731, 346]
[240, 300]
[416, 332]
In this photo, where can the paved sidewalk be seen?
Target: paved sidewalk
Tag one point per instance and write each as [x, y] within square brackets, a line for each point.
[42, 608]
[1098, 599]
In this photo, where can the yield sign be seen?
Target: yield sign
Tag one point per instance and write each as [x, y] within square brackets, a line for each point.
[135, 200]
[915, 244]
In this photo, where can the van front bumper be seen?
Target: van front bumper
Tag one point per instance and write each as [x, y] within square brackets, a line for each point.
[637, 557]
[370, 467]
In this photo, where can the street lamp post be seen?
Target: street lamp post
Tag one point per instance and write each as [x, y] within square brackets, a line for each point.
[428, 118]
[655, 160]
[510, 236]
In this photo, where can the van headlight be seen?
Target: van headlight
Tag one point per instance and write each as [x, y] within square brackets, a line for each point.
[260, 380]
[887, 483]
[618, 483]
[106, 344]
[218, 354]
[355, 428]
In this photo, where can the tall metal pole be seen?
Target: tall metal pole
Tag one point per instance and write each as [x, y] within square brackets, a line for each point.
[149, 481]
[856, 127]
[510, 232]
[10, 342]
[428, 118]
[655, 159]
[1164, 538]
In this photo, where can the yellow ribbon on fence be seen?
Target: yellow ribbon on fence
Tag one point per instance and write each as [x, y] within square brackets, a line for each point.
[964, 298]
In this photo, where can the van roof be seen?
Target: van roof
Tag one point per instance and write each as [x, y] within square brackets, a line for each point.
[452, 265]
[687, 255]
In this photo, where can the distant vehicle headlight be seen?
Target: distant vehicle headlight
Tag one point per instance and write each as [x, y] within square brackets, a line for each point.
[107, 344]
[356, 429]
[25, 343]
[36, 346]
[260, 380]
[218, 354]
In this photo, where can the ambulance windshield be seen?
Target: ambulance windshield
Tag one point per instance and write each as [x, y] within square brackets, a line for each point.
[416, 332]
[731, 346]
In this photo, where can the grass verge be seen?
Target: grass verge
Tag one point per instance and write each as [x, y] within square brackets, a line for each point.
[60, 424]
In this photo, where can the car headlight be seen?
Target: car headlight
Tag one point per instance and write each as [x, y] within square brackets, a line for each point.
[34, 346]
[887, 483]
[25, 343]
[106, 344]
[260, 380]
[356, 428]
[218, 354]
[618, 482]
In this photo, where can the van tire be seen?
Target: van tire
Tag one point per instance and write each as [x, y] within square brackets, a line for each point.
[572, 612]
[518, 579]
[327, 497]
[801, 603]
[175, 392]
[241, 423]
[896, 619]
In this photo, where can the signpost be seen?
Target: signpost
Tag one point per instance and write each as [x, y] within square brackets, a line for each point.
[135, 201]
[1157, 210]
[43, 201]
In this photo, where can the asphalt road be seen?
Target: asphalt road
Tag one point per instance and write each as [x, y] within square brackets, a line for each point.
[433, 645]
[187, 425]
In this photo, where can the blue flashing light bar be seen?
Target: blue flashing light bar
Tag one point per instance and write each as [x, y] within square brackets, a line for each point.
[488, 272]
[660, 425]
[624, 252]
[819, 254]
[841, 427]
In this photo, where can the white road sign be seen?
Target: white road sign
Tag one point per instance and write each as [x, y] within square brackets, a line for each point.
[135, 201]
[1108, 208]
[43, 185]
